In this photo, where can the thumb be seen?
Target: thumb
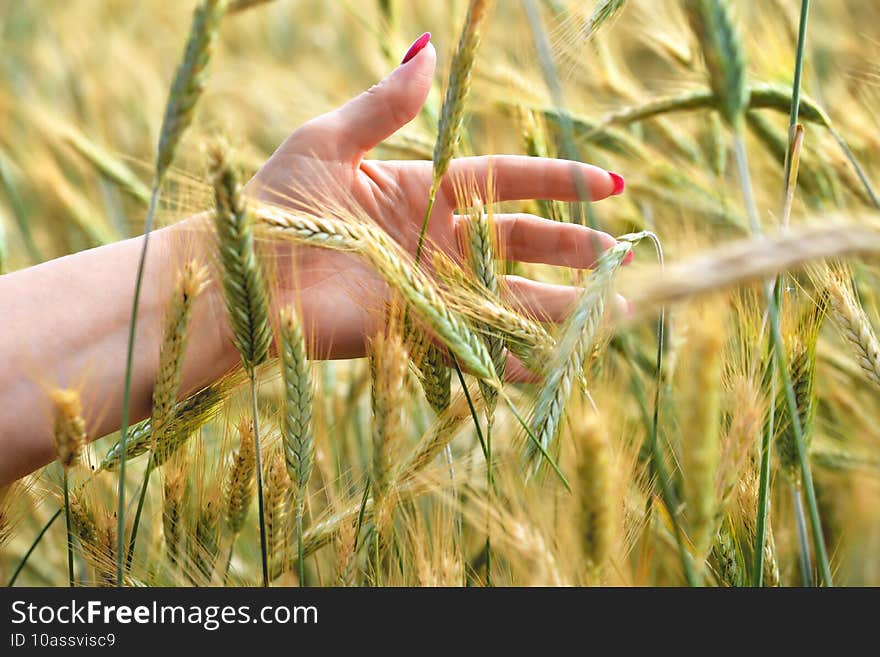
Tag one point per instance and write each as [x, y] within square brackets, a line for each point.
[387, 106]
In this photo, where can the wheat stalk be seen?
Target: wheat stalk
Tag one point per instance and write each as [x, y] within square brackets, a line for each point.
[104, 553]
[405, 477]
[750, 260]
[190, 282]
[296, 431]
[388, 363]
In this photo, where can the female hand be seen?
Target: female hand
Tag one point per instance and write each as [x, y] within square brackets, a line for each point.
[339, 295]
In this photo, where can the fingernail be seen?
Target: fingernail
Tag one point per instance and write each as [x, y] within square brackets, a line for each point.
[416, 47]
[630, 308]
[628, 258]
[619, 183]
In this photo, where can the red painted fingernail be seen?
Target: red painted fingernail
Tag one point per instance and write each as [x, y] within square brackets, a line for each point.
[628, 258]
[619, 183]
[416, 47]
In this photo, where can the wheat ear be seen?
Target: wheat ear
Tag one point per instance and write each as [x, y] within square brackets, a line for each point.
[726, 558]
[244, 289]
[482, 260]
[700, 426]
[452, 113]
[296, 429]
[604, 11]
[566, 364]
[69, 436]
[189, 414]
[190, 282]
[398, 271]
[436, 379]
[240, 484]
[723, 54]
[174, 490]
[388, 362]
[854, 325]
[276, 506]
[206, 532]
[595, 491]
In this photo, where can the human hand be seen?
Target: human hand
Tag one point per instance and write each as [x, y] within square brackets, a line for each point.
[340, 295]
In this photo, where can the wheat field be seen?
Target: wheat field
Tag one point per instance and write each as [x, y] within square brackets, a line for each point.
[718, 428]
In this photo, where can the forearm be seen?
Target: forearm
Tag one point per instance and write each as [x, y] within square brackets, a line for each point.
[66, 323]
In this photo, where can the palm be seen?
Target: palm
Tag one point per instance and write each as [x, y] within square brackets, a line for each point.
[340, 296]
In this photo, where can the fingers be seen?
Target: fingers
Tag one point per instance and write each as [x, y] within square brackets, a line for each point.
[547, 302]
[387, 106]
[528, 238]
[521, 177]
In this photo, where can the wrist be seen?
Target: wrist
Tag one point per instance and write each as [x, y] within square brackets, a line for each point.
[211, 352]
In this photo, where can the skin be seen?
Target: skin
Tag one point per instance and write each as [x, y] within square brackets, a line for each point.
[66, 320]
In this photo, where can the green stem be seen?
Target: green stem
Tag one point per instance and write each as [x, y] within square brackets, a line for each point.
[787, 194]
[424, 230]
[126, 394]
[670, 499]
[764, 487]
[536, 442]
[804, 560]
[782, 368]
[377, 579]
[33, 546]
[70, 575]
[489, 486]
[299, 544]
[137, 515]
[259, 463]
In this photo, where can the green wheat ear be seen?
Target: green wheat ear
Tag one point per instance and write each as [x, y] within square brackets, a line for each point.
[244, 286]
[724, 56]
